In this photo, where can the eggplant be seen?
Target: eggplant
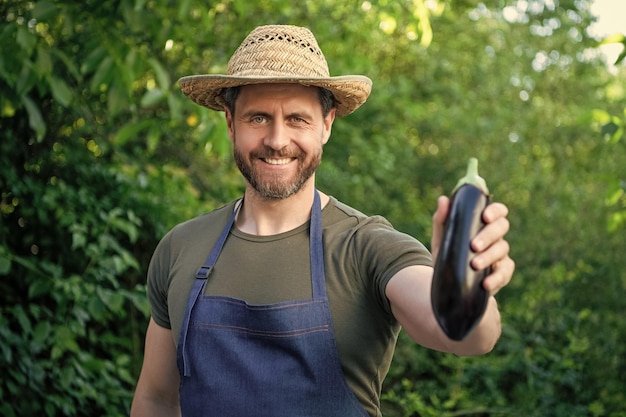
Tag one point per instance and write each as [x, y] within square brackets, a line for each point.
[457, 296]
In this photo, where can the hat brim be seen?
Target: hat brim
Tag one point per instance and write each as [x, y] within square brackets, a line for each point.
[350, 91]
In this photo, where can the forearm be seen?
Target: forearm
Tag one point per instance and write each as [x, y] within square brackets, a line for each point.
[156, 394]
[144, 406]
[409, 294]
[484, 336]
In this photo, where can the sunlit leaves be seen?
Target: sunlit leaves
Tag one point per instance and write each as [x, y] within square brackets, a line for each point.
[617, 38]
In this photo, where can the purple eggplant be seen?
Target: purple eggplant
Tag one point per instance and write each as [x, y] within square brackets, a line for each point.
[457, 295]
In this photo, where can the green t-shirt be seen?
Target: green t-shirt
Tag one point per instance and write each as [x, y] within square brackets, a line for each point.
[361, 254]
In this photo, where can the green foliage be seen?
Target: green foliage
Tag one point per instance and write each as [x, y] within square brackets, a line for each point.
[101, 154]
[612, 128]
[66, 244]
[80, 215]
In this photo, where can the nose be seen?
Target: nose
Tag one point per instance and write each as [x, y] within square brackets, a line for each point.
[277, 136]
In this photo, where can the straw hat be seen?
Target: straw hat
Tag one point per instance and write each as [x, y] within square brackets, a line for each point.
[278, 54]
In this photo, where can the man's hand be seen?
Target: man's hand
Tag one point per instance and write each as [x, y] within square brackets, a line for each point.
[489, 244]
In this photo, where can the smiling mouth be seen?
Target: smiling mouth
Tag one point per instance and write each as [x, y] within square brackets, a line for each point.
[277, 161]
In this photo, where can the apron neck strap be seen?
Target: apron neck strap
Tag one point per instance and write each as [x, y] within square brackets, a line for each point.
[316, 249]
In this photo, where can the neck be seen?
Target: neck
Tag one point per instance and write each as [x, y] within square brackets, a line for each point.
[262, 217]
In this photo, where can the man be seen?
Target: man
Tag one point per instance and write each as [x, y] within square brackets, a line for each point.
[297, 307]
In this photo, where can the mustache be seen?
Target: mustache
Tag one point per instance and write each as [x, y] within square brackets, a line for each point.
[265, 153]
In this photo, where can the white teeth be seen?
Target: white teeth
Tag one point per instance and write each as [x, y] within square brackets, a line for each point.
[277, 161]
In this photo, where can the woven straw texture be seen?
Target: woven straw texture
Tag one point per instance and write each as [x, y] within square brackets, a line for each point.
[278, 54]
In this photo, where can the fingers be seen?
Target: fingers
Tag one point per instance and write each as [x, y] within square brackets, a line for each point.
[443, 204]
[492, 249]
[500, 276]
[496, 226]
[494, 254]
[494, 211]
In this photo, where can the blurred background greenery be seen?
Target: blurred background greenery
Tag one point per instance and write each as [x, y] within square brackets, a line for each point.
[100, 154]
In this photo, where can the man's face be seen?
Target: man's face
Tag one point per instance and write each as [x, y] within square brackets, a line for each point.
[278, 132]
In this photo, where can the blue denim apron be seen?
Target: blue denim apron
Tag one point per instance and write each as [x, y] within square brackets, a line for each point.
[279, 360]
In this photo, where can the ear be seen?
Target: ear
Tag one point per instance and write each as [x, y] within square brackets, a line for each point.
[328, 124]
[230, 125]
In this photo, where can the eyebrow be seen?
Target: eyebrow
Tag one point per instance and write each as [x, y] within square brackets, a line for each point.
[299, 114]
[251, 113]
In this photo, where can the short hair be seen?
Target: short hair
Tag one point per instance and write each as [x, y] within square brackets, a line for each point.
[327, 99]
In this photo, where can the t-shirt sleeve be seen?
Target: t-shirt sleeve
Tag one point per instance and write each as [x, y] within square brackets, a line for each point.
[386, 251]
[158, 282]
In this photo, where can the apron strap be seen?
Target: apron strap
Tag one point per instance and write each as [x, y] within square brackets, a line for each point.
[316, 249]
[198, 287]
[205, 270]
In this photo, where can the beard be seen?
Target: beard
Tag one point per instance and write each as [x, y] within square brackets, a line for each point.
[277, 186]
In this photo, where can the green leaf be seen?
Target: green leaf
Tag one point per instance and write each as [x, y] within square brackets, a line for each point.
[28, 264]
[152, 97]
[44, 61]
[616, 221]
[138, 299]
[96, 308]
[65, 339]
[130, 130]
[56, 352]
[103, 74]
[44, 10]
[117, 100]
[114, 300]
[41, 332]
[124, 225]
[5, 265]
[614, 38]
[139, 5]
[60, 91]
[153, 138]
[39, 286]
[93, 60]
[7, 353]
[176, 107]
[49, 269]
[183, 9]
[35, 119]
[69, 64]
[22, 318]
[27, 79]
[26, 40]
[79, 238]
[163, 78]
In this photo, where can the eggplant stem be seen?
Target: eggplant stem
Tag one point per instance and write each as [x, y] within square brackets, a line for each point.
[472, 177]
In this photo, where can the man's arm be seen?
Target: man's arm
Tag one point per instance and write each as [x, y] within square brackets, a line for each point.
[156, 394]
[409, 290]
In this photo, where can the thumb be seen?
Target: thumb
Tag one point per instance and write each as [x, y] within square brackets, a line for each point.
[439, 218]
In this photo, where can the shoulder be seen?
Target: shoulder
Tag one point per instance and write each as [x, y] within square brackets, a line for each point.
[203, 226]
[338, 213]
[340, 218]
[372, 237]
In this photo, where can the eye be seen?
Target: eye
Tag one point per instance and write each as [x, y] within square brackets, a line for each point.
[258, 119]
[297, 119]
